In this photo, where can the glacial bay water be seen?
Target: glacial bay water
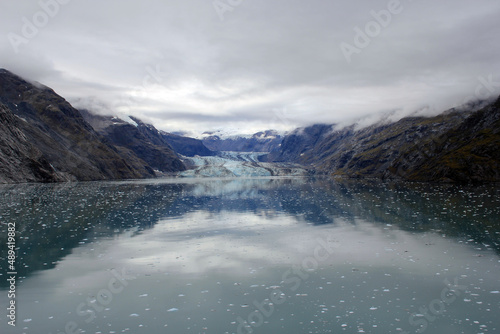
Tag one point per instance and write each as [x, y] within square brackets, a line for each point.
[252, 255]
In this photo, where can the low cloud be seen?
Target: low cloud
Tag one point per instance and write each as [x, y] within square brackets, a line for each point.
[265, 64]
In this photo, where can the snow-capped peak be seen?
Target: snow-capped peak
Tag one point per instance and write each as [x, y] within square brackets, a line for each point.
[130, 121]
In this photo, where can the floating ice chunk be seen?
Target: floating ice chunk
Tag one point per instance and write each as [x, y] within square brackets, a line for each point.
[134, 315]
[173, 309]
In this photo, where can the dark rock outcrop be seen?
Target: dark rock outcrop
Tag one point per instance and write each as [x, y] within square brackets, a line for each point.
[137, 142]
[46, 139]
[20, 160]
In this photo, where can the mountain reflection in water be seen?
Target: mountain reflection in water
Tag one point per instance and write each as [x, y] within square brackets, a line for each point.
[392, 245]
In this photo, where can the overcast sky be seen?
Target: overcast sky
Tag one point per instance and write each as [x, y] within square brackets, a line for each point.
[249, 65]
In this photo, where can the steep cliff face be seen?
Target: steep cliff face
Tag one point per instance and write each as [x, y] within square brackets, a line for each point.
[20, 160]
[456, 146]
[137, 141]
[50, 139]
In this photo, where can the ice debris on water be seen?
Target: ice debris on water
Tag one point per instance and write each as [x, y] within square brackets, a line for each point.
[173, 309]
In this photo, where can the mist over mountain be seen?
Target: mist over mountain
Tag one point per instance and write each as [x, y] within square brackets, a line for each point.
[45, 139]
[459, 145]
[263, 65]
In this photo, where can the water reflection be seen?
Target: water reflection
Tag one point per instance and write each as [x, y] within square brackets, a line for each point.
[347, 256]
[53, 219]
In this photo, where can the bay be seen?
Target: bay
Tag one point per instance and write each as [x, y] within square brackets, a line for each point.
[253, 255]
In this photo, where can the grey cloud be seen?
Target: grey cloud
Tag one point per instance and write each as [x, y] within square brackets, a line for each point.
[279, 60]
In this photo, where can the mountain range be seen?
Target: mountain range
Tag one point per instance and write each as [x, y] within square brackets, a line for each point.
[459, 145]
[45, 139]
[263, 141]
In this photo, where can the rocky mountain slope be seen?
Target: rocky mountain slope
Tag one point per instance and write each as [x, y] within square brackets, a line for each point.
[264, 141]
[456, 146]
[186, 146]
[121, 132]
[468, 152]
[47, 140]
[136, 141]
[180, 144]
[20, 160]
[44, 139]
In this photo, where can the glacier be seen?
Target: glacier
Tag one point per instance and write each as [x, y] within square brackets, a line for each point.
[237, 164]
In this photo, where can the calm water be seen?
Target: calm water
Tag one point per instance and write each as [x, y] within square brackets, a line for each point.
[253, 256]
